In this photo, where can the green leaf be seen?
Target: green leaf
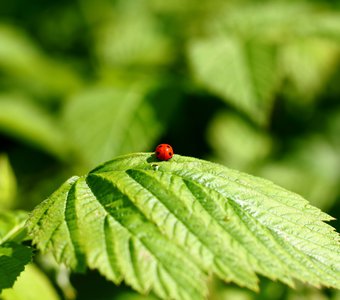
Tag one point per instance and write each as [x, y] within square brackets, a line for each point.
[278, 21]
[22, 119]
[28, 67]
[13, 255]
[31, 285]
[231, 138]
[105, 122]
[248, 50]
[311, 168]
[8, 185]
[12, 226]
[132, 37]
[13, 258]
[309, 63]
[164, 226]
[243, 73]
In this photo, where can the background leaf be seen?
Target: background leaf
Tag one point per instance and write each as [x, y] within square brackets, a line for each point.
[25, 65]
[13, 255]
[132, 38]
[231, 137]
[24, 120]
[309, 63]
[319, 166]
[246, 71]
[104, 122]
[154, 223]
[13, 258]
[31, 285]
[243, 72]
[8, 186]
[12, 226]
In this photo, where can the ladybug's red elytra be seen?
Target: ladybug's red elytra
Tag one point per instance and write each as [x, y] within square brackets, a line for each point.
[164, 152]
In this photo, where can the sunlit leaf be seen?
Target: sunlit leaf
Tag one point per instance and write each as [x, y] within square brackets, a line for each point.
[165, 225]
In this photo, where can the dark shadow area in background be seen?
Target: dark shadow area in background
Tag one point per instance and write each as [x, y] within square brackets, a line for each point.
[93, 286]
[187, 127]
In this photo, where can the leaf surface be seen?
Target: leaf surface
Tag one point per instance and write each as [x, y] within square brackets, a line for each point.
[164, 226]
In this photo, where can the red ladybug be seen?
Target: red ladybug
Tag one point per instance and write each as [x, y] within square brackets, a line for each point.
[164, 152]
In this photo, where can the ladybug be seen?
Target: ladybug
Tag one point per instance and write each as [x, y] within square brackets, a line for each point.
[164, 152]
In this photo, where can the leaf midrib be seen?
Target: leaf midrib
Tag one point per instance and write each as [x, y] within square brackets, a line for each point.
[190, 165]
[248, 187]
[258, 193]
[275, 240]
[235, 237]
[277, 243]
[273, 214]
[307, 256]
[234, 275]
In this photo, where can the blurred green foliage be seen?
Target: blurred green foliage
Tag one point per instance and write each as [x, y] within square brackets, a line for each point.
[251, 84]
